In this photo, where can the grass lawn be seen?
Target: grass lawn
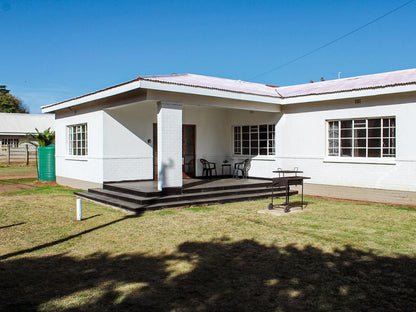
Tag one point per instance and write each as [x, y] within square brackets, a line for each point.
[335, 255]
[8, 171]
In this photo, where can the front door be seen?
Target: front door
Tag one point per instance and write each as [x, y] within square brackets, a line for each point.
[155, 171]
[188, 151]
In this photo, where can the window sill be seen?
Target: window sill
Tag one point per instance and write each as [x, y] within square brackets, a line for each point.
[264, 158]
[77, 158]
[352, 160]
[259, 157]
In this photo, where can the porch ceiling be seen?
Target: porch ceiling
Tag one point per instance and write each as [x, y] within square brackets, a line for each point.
[211, 101]
[131, 105]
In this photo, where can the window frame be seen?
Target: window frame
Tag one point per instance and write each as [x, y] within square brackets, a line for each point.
[362, 139]
[77, 141]
[257, 140]
[12, 142]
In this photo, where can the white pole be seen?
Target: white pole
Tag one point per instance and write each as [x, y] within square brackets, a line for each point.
[79, 209]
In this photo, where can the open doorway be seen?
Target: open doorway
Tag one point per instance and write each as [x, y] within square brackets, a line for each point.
[188, 151]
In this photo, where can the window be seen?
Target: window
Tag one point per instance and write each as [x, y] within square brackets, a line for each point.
[254, 140]
[77, 140]
[370, 137]
[10, 142]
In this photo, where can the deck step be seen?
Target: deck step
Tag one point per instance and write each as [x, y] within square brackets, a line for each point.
[137, 199]
[123, 189]
[187, 189]
[215, 200]
[110, 201]
[262, 184]
[143, 200]
[177, 200]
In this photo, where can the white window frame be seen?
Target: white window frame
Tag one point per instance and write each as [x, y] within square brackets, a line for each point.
[249, 138]
[361, 145]
[77, 141]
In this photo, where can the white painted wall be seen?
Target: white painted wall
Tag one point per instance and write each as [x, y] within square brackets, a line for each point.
[169, 145]
[86, 168]
[127, 154]
[303, 143]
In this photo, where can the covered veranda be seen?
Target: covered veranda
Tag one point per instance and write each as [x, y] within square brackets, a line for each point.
[173, 132]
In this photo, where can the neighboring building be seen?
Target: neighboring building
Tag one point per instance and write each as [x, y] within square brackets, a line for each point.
[14, 128]
[341, 132]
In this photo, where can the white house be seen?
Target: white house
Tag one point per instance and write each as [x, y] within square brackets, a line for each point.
[15, 127]
[352, 136]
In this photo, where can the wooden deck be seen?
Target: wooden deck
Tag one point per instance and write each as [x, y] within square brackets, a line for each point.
[138, 196]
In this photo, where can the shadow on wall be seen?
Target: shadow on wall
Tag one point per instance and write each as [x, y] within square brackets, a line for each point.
[129, 126]
[162, 173]
[218, 275]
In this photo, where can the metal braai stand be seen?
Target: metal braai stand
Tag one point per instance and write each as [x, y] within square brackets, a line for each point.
[286, 179]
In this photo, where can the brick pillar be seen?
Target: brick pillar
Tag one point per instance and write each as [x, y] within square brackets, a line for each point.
[169, 146]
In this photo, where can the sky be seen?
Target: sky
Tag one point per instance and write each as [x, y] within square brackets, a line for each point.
[52, 51]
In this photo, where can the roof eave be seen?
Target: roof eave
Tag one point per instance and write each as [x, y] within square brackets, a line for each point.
[159, 86]
[17, 133]
[338, 95]
[205, 91]
[118, 89]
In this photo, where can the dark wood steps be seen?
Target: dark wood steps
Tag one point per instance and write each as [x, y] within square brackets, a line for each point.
[178, 201]
[130, 196]
[119, 187]
[143, 200]
[110, 201]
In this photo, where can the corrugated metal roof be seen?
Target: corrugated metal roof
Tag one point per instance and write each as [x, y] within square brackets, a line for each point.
[374, 81]
[25, 123]
[383, 80]
[215, 83]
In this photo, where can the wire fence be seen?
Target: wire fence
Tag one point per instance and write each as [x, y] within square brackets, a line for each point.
[25, 154]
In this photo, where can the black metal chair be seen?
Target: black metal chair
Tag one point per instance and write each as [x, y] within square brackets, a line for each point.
[208, 168]
[242, 167]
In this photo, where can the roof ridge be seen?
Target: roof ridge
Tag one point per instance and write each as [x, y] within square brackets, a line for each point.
[205, 76]
[349, 78]
[160, 76]
[215, 83]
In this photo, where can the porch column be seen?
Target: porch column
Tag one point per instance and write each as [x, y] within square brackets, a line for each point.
[169, 145]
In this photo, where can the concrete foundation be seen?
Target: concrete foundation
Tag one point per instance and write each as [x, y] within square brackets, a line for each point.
[362, 194]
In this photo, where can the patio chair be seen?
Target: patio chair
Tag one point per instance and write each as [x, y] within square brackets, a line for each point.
[242, 167]
[208, 168]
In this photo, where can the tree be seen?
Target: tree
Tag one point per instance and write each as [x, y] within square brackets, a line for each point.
[9, 103]
[3, 89]
[45, 138]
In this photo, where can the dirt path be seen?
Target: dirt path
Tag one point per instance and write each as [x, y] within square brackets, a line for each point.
[11, 187]
[18, 177]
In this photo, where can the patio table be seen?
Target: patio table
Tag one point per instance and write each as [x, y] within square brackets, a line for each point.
[226, 166]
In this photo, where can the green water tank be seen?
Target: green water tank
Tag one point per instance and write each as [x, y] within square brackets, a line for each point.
[46, 156]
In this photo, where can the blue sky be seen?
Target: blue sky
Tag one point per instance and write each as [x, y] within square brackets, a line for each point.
[55, 50]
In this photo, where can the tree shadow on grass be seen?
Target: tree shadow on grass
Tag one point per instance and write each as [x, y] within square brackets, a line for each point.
[65, 239]
[11, 225]
[219, 276]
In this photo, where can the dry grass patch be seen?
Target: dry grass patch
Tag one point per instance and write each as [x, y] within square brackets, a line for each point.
[7, 172]
[333, 256]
